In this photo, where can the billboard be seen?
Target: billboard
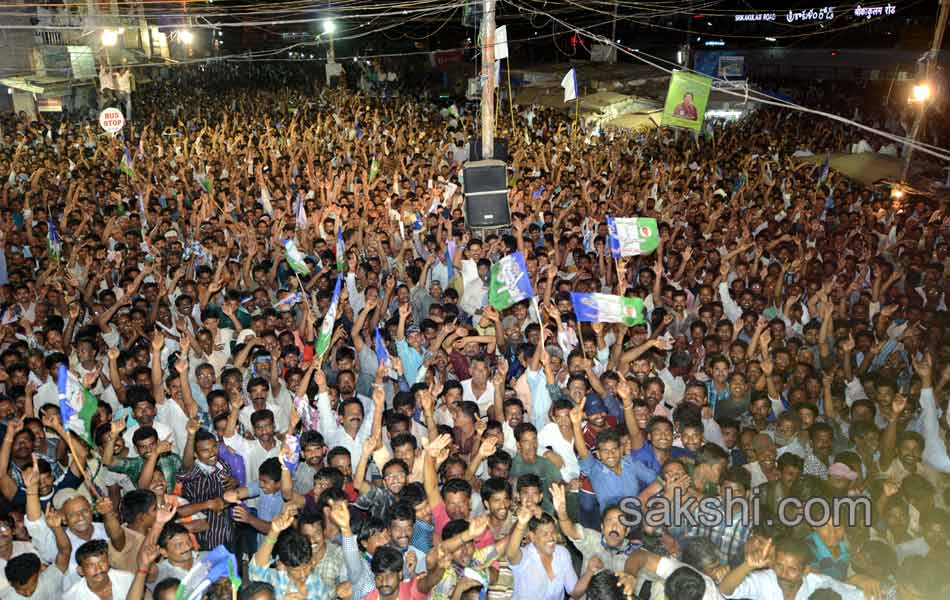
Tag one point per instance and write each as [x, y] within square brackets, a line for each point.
[686, 100]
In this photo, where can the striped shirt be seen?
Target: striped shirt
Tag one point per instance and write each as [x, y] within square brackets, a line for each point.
[200, 486]
[357, 567]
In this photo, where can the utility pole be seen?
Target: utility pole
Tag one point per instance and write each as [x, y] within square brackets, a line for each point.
[488, 79]
[931, 64]
[613, 37]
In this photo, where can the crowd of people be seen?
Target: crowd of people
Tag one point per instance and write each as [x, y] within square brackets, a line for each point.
[426, 444]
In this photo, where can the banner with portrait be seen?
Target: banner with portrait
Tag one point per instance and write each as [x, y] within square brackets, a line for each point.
[686, 100]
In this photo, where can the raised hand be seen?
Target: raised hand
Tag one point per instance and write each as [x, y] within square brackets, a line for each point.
[148, 554]
[758, 554]
[898, 405]
[488, 447]
[440, 443]
[477, 526]
[559, 498]
[340, 514]
[164, 447]
[285, 519]
[524, 516]
[848, 344]
[53, 517]
[577, 413]
[165, 513]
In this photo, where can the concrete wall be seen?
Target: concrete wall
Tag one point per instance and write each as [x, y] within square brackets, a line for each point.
[16, 44]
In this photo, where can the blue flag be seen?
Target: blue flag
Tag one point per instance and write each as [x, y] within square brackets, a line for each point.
[382, 354]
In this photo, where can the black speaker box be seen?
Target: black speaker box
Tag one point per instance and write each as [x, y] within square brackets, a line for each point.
[501, 149]
[485, 187]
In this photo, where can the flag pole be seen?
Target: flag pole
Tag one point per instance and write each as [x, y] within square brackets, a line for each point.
[577, 112]
[580, 338]
[303, 292]
[534, 301]
[82, 470]
[511, 98]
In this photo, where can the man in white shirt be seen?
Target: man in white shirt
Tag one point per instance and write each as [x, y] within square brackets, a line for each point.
[123, 81]
[767, 576]
[349, 427]
[478, 388]
[144, 412]
[99, 580]
[254, 452]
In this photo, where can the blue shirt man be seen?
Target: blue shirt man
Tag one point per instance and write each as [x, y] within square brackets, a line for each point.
[613, 477]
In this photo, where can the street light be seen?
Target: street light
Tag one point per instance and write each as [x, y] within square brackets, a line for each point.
[329, 26]
[921, 92]
[109, 37]
[186, 36]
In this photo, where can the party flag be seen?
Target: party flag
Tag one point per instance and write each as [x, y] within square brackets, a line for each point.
[329, 320]
[509, 282]
[77, 406]
[632, 237]
[208, 569]
[295, 258]
[606, 308]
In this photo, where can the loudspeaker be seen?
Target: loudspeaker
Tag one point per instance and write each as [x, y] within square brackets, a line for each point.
[501, 149]
[485, 186]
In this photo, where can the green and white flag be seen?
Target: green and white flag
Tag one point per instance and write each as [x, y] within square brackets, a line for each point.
[373, 170]
[509, 282]
[295, 258]
[205, 182]
[632, 237]
[329, 320]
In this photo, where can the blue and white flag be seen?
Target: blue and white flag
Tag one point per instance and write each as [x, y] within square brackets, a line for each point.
[77, 406]
[607, 308]
[206, 571]
[290, 300]
[382, 354]
[54, 243]
[569, 83]
[301, 212]
[509, 282]
[340, 250]
[11, 314]
[449, 258]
